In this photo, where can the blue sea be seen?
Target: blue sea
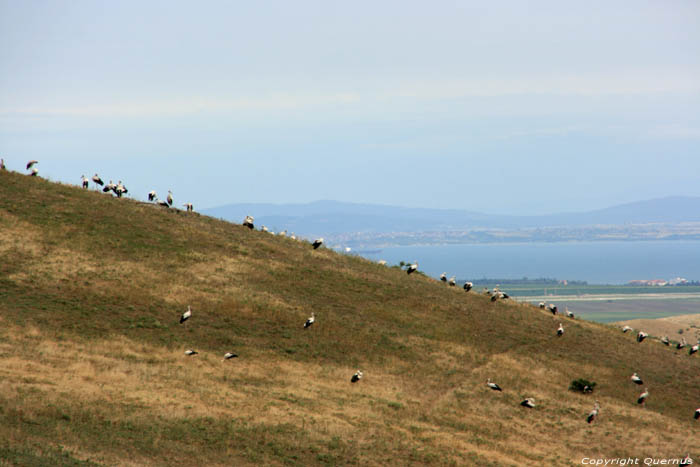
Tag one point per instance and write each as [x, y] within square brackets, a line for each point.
[595, 262]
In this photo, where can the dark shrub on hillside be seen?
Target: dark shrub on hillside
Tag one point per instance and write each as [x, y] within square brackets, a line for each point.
[582, 385]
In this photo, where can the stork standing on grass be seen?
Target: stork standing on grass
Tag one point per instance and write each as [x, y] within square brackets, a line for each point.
[163, 203]
[636, 379]
[568, 313]
[551, 307]
[665, 341]
[189, 207]
[229, 356]
[443, 277]
[681, 344]
[108, 187]
[452, 281]
[85, 181]
[310, 320]
[542, 305]
[2, 164]
[35, 172]
[468, 286]
[626, 329]
[97, 180]
[694, 348]
[697, 414]
[493, 386]
[190, 352]
[594, 413]
[317, 243]
[529, 403]
[169, 199]
[560, 330]
[412, 268]
[152, 195]
[248, 222]
[356, 377]
[643, 397]
[31, 163]
[641, 335]
[186, 315]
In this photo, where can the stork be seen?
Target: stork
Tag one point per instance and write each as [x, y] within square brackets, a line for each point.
[31, 163]
[85, 181]
[189, 207]
[443, 277]
[452, 281]
[120, 189]
[229, 356]
[382, 262]
[169, 199]
[468, 286]
[643, 397]
[293, 237]
[493, 386]
[283, 233]
[317, 243]
[108, 187]
[35, 172]
[641, 335]
[542, 305]
[412, 268]
[626, 328]
[694, 348]
[97, 180]
[529, 403]
[356, 377]
[636, 379]
[697, 414]
[560, 330]
[594, 413]
[190, 352]
[2, 164]
[310, 320]
[568, 313]
[248, 222]
[665, 341]
[551, 307]
[163, 203]
[681, 344]
[262, 229]
[152, 195]
[186, 315]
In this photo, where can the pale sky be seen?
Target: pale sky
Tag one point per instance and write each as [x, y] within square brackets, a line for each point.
[499, 107]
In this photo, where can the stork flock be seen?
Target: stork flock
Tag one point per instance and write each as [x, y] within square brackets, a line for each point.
[118, 189]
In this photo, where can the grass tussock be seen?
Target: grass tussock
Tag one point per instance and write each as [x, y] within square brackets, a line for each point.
[91, 290]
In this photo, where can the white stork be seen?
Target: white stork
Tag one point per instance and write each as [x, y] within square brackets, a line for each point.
[542, 305]
[551, 307]
[412, 268]
[189, 207]
[109, 187]
[694, 348]
[293, 237]
[356, 377]
[636, 379]
[641, 335]
[190, 352]
[568, 313]
[452, 281]
[665, 341]
[310, 320]
[248, 222]
[152, 195]
[229, 356]
[97, 180]
[85, 181]
[120, 189]
[643, 397]
[186, 315]
[697, 414]
[162, 202]
[31, 163]
[169, 198]
[317, 243]
[283, 233]
[493, 386]
[626, 328]
[560, 330]
[35, 172]
[262, 229]
[443, 277]
[681, 344]
[468, 286]
[594, 413]
[529, 403]
[382, 262]
[2, 164]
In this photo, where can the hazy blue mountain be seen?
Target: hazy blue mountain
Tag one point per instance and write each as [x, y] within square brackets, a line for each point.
[333, 217]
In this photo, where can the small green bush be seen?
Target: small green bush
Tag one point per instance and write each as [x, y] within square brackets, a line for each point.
[582, 385]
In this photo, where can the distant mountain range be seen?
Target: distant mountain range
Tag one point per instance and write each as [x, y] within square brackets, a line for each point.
[332, 218]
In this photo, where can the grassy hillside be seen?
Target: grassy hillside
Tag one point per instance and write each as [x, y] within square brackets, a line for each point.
[93, 370]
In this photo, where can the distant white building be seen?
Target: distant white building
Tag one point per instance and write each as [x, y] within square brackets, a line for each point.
[678, 281]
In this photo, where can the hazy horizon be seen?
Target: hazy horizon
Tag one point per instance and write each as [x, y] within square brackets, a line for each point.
[503, 108]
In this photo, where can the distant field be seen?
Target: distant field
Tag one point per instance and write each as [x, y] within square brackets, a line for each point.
[520, 290]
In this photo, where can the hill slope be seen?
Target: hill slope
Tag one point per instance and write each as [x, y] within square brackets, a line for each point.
[92, 287]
